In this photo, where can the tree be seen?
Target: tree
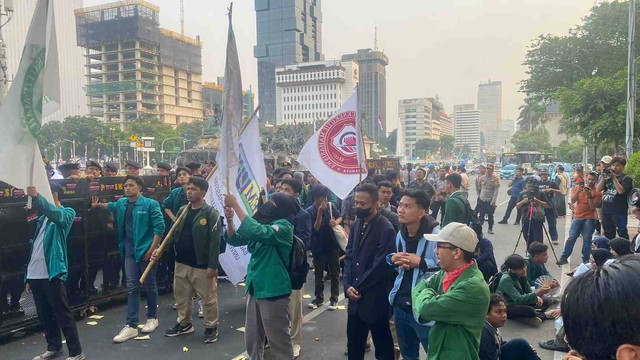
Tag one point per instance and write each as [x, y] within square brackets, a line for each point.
[532, 114]
[597, 47]
[537, 140]
[426, 146]
[570, 152]
[191, 131]
[447, 143]
[152, 126]
[595, 108]
[49, 138]
[390, 142]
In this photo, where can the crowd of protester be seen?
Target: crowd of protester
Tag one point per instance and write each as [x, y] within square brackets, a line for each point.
[407, 248]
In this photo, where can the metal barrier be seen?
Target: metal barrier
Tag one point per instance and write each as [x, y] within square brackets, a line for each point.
[92, 248]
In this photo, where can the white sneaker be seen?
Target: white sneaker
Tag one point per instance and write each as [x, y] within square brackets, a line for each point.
[296, 351]
[151, 325]
[77, 357]
[49, 355]
[200, 312]
[125, 334]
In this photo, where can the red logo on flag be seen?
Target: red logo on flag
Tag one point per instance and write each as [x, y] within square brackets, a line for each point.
[337, 143]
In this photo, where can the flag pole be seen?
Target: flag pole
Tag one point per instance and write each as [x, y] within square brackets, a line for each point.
[181, 217]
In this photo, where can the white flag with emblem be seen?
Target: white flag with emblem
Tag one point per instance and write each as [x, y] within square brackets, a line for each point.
[331, 154]
[34, 93]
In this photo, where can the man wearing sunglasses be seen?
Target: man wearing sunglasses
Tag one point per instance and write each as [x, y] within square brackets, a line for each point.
[456, 297]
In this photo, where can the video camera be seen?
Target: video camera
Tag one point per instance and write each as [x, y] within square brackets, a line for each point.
[634, 198]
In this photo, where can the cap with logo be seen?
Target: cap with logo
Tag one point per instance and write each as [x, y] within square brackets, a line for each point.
[458, 235]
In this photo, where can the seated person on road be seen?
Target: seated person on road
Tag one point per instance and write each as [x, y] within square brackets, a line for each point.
[492, 346]
[538, 256]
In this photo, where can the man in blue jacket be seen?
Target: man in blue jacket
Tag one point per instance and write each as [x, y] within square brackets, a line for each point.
[414, 261]
[47, 272]
[367, 277]
[140, 226]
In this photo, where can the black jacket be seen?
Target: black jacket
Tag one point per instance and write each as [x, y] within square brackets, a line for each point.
[366, 270]
[490, 344]
[392, 217]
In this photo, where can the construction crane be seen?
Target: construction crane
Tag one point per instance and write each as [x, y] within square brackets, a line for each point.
[182, 16]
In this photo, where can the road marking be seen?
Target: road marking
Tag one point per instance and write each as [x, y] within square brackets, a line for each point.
[564, 279]
[310, 316]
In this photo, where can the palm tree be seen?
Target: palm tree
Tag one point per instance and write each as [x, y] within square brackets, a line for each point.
[532, 114]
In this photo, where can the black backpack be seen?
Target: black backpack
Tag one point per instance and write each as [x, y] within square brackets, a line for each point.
[494, 281]
[298, 266]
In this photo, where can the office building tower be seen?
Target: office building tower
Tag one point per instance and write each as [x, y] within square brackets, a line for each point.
[135, 68]
[490, 106]
[373, 90]
[313, 91]
[71, 70]
[414, 117]
[288, 32]
[467, 131]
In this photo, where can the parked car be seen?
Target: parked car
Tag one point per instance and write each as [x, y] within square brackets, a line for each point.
[508, 171]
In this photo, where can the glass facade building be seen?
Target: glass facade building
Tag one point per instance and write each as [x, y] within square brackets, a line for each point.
[288, 32]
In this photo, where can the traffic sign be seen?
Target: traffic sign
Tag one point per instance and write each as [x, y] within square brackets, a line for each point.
[133, 138]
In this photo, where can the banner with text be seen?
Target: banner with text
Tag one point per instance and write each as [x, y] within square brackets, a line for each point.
[248, 184]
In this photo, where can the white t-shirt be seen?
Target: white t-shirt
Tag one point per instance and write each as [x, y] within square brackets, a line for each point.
[37, 268]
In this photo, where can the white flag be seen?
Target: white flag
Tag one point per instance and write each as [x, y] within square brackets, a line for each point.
[35, 93]
[362, 159]
[250, 180]
[227, 158]
[331, 154]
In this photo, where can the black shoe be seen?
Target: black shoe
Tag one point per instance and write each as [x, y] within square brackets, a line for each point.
[178, 330]
[562, 261]
[553, 345]
[315, 304]
[502, 222]
[516, 223]
[210, 335]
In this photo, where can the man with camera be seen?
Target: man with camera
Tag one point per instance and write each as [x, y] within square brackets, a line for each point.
[615, 184]
[587, 198]
[549, 188]
[532, 205]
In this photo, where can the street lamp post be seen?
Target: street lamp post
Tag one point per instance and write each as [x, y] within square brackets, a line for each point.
[73, 148]
[171, 138]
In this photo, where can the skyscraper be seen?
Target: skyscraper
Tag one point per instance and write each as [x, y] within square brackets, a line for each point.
[468, 129]
[490, 106]
[134, 67]
[72, 99]
[373, 90]
[288, 32]
[415, 124]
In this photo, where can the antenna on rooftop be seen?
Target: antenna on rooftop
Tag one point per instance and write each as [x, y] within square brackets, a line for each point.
[182, 16]
[375, 42]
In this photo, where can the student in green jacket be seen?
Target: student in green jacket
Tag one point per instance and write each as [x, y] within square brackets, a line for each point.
[178, 196]
[538, 256]
[268, 237]
[47, 272]
[456, 297]
[140, 229]
[197, 244]
[455, 209]
[523, 304]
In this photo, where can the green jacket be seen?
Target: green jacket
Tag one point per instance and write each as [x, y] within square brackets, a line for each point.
[206, 235]
[266, 273]
[459, 314]
[516, 291]
[455, 209]
[55, 236]
[534, 271]
[172, 202]
[147, 222]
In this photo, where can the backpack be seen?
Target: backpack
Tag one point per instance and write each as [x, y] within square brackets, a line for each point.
[494, 281]
[472, 220]
[298, 266]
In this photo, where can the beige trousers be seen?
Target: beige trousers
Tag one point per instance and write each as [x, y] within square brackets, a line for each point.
[295, 311]
[188, 281]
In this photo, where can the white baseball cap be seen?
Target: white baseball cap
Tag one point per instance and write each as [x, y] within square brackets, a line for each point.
[606, 160]
[456, 234]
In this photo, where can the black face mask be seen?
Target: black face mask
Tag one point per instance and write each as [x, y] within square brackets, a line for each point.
[363, 213]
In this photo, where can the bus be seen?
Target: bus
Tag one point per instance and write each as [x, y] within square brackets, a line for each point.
[528, 160]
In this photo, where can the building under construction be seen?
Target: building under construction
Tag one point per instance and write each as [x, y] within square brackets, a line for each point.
[134, 67]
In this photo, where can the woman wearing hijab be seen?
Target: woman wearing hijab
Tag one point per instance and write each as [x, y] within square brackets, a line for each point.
[269, 238]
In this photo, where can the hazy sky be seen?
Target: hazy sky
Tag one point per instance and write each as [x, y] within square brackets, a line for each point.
[443, 47]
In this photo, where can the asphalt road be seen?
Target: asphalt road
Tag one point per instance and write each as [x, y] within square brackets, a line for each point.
[324, 332]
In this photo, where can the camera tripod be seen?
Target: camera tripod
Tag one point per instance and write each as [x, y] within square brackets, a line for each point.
[544, 228]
